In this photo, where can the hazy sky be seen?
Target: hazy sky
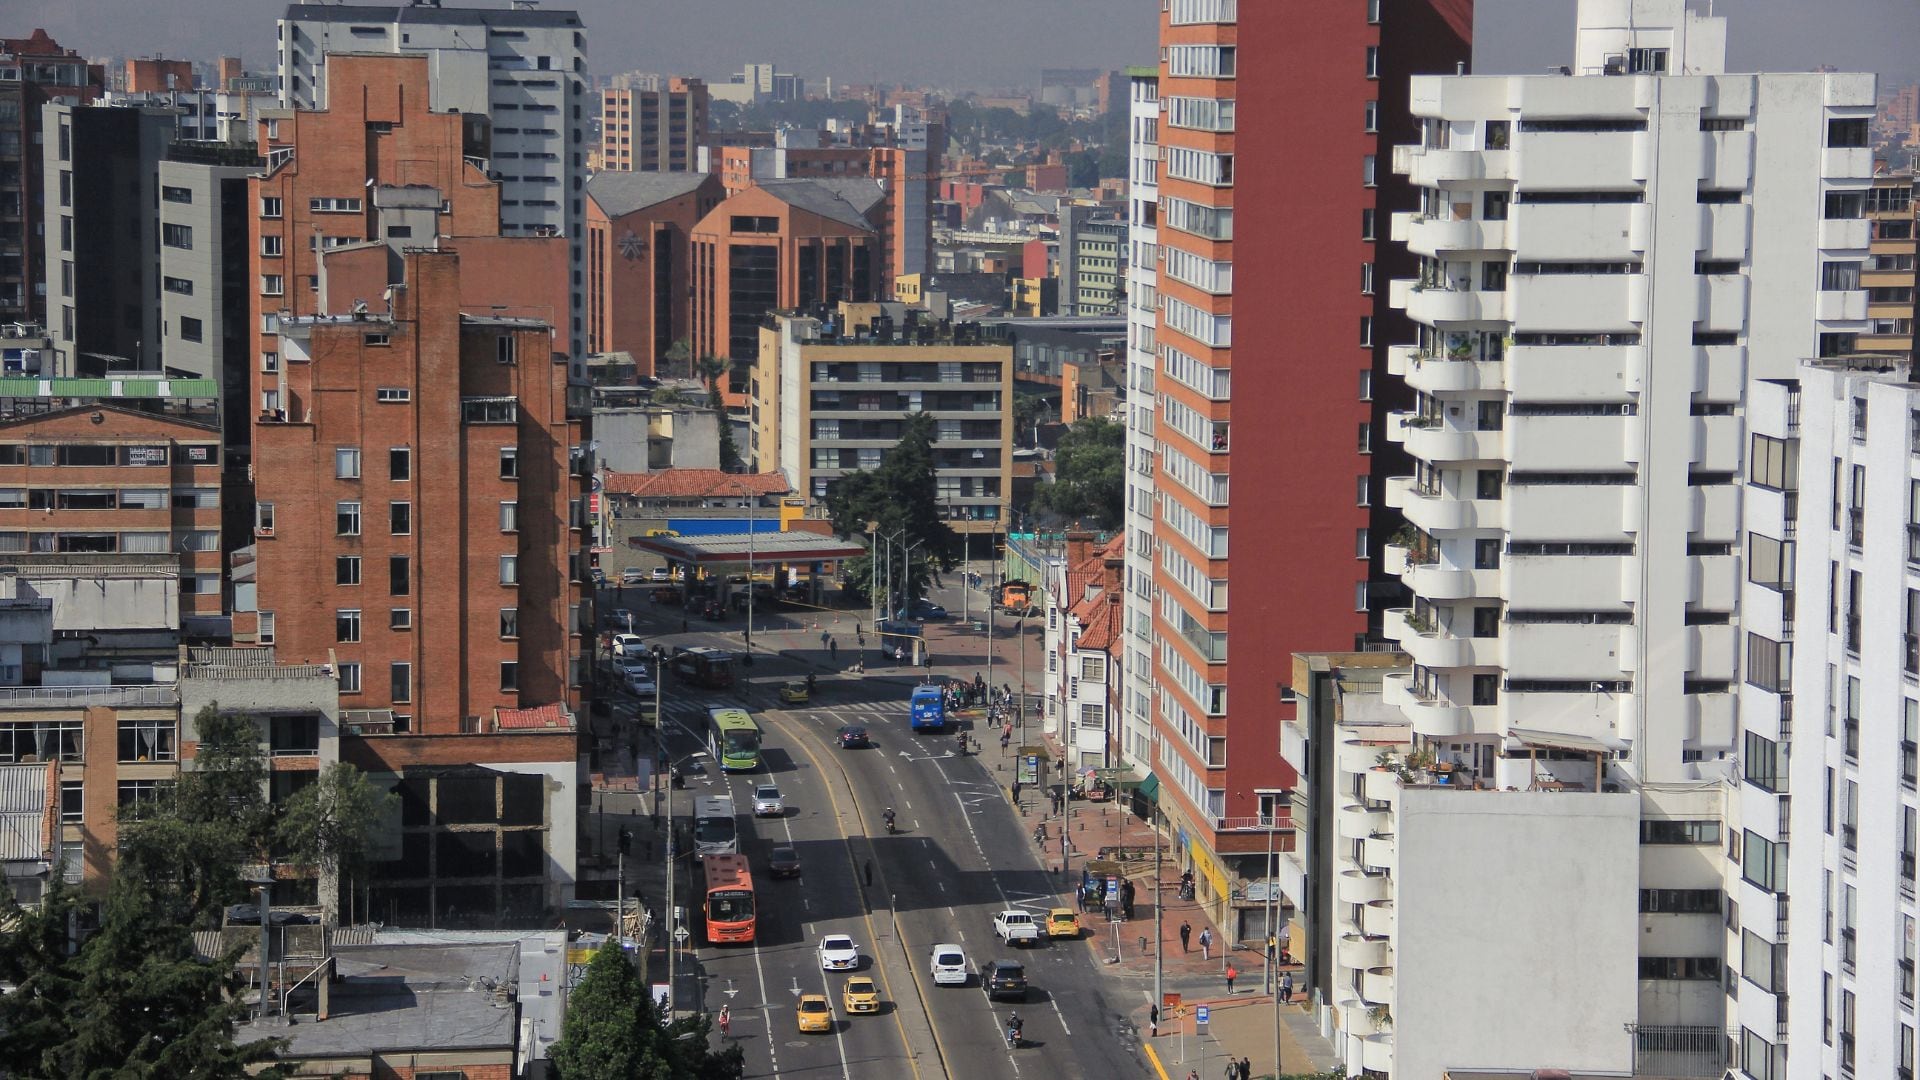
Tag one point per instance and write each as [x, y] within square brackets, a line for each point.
[979, 42]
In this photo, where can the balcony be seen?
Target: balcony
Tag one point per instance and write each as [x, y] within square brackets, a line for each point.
[1431, 439]
[1437, 373]
[1437, 304]
[1843, 234]
[1361, 951]
[1376, 986]
[1426, 167]
[1425, 235]
[1432, 581]
[1428, 647]
[1848, 305]
[1357, 887]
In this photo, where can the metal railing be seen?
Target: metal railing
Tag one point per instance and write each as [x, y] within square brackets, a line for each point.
[28, 697]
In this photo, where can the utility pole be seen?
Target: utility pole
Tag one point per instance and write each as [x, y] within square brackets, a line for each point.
[750, 583]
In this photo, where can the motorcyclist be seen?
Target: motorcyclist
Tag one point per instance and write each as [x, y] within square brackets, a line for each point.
[1014, 1024]
[888, 817]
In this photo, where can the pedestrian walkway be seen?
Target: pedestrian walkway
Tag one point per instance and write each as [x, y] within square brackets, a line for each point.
[1242, 1027]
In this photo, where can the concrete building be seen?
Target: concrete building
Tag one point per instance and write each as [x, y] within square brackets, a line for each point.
[831, 395]
[1837, 966]
[647, 130]
[208, 113]
[783, 245]
[1093, 260]
[104, 243]
[639, 266]
[1888, 274]
[521, 70]
[1229, 179]
[154, 74]
[1082, 684]
[33, 71]
[1609, 259]
[1143, 365]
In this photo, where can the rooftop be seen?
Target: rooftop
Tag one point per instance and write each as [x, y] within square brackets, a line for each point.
[537, 718]
[847, 200]
[217, 662]
[762, 547]
[620, 193]
[694, 484]
[422, 13]
[411, 997]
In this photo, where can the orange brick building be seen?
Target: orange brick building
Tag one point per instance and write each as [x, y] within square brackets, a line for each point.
[638, 229]
[653, 130]
[781, 245]
[155, 74]
[420, 508]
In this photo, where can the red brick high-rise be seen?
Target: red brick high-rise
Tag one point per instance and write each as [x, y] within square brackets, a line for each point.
[1275, 130]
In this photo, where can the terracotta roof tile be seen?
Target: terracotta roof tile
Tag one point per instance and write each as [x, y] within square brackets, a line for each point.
[540, 717]
[1101, 627]
[694, 483]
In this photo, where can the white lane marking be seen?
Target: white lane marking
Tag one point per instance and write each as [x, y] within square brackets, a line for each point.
[766, 1006]
[1055, 1002]
[892, 770]
[839, 1033]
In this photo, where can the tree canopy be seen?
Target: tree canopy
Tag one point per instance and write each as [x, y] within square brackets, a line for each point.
[898, 495]
[1089, 474]
[614, 1031]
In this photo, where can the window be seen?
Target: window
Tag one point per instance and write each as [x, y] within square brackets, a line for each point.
[1840, 276]
[270, 246]
[400, 518]
[400, 681]
[269, 361]
[178, 286]
[1486, 689]
[509, 463]
[1486, 554]
[1680, 831]
[192, 329]
[391, 395]
[1373, 61]
[1370, 119]
[503, 349]
[270, 206]
[173, 236]
[1366, 279]
[346, 569]
[1844, 205]
[273, 285]
[1487, 483]
[400, 463]
[334, 206]
[266, 628]
[1774, 463]
[1493, 206]
[509, 622]
[399, 575]
[263, 517]
[509, 676]
[1499, 136]
[346, 625]
[1848, 134]
[1493, 276]
[1770, 562]
[349, 678]
[1366, 331]
[1680, 901]
[1763, 862]
[346, 518]
[1366, 223]
[400, 618]
[509, 570]
[148, 740]
[1769, 663]
[346, 463]
[1764, 763]
[509, 517]
[72, 802]
[1369, 171]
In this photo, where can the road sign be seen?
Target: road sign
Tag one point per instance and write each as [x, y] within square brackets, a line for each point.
[680, 935]
[1200, 1014]
[1169, 1001]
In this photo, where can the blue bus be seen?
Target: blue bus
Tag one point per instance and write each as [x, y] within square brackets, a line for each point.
[929, 709]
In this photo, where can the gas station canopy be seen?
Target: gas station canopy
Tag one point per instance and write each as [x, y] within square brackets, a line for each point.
[761, 548]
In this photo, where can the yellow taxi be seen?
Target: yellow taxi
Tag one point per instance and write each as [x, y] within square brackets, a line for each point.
[1063, 923]
[794, 692]
[816, 1015]
[860, 995]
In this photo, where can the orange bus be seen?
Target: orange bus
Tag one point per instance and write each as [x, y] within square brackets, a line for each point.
[729, 908]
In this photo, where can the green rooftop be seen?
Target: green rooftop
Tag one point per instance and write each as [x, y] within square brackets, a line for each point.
[109, 388]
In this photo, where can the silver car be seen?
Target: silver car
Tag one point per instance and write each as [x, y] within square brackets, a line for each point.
[767, 802]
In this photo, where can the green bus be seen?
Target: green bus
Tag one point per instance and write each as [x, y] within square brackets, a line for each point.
[733, 738]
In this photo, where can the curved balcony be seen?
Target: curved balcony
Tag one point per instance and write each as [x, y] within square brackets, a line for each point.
[1437, 718]
[1393, 560]
[1380, 785]
[1356, 822]
[1376, 1053]
[1360, 951]
[1436, 583]
[1433, 235]
[1376, 986]
[1381, 854]
[1439, 513]
[1435, 304]
[1376, 919]
[1432, 649]
[1445, 375]
[1429, 167]
[1358, 887]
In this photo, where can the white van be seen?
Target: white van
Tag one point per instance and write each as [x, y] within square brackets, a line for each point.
[948, 965]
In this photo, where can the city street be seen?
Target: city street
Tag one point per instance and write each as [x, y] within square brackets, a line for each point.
[961, 853]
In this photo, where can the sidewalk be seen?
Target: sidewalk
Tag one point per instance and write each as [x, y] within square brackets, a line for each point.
[1237, 1028]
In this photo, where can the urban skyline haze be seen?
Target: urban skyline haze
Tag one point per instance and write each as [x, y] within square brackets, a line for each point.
[888, 41]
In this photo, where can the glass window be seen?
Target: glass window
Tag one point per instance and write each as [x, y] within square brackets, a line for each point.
[346, 518]
[346, 463]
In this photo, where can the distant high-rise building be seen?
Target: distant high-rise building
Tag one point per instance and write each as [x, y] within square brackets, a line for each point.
[522, 67]
[1889, 274]
[653, 130]
[1093, 260]
[33, 71]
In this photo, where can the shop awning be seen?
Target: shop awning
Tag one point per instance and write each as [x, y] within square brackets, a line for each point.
[1149, 789]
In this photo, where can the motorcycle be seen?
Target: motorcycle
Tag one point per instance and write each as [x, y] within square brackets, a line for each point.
[1013, 1035]
[891, 828]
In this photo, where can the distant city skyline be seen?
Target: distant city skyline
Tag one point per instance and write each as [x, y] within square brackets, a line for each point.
[997, 44]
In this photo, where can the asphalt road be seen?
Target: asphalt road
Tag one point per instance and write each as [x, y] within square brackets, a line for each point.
[961, 854]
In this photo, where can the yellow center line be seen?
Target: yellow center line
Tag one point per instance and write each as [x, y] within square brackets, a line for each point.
[867, 909]
[1154, 1060]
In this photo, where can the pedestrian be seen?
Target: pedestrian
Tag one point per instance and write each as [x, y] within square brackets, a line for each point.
[726, 1022]
[824, 639]
[1193, 1074]
[1186, 933]
[860, 636]
[869, 869]
[1233, 1069]
[1232, 974]
[833, 649]
[1016, 791]
[1206, 943]
[1286, 986]
[1246, 1069]
[1153, 1021]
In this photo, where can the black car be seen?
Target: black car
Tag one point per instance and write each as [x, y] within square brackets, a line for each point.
[853, 737]
[1003, 979]
[783, 862]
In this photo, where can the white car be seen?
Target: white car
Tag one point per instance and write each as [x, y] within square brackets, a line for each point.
[628, 645]
[948, 965]
[1016, 927]
[838, 953]
[640, 682]
[767, 802]
[659, 573]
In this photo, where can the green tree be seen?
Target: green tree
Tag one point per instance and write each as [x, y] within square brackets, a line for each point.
[1029, 412]
[201, 829]
[899, 495]
[676, 358]
[329, 823]
[614, 1031]
[1083, 169]
[1089, 474]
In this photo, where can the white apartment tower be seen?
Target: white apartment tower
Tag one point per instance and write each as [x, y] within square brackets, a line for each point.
[1143, 299]
[1849, 550]
[522, 66]
[1609, 255]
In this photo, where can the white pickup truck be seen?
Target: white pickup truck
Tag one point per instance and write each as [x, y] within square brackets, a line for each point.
[1016, 928]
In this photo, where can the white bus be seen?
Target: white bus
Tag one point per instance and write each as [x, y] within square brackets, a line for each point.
[715, 832]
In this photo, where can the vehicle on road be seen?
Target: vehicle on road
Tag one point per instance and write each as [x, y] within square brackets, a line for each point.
[816, 1015]
[928, 708]
[925, 610]
[729, 906]
[767, 802]
[666, 594]
[640, 682]
[947, 964]
[704, 666]
[794, 692]
[838, 953]
[783, 862]
[1062, 923]
[854, 737]
[1016, 927]
[628, 645]
[632, 575]
[715, 832]
[733, 738]
[860, 995]
[1003, 980]
[659, 573]
[1013, 594]
[619, 619]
